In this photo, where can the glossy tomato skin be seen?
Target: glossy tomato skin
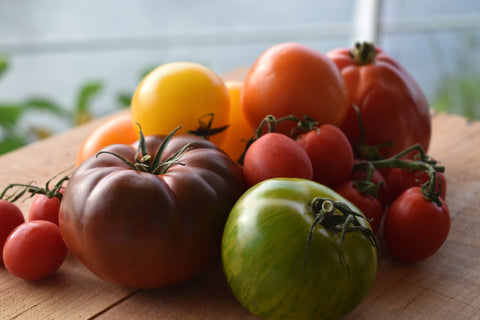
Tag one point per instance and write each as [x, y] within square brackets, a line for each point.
[275, 155]
[392, 106]
[400, 180]
[239, 130]
[293, 79]
[10, 217]
[118, 128]
[370, 206]
[330, 152]
[143, 230]
[414, 227]
[180, 94]
[34, 250]
[44, 208]
[263, 250]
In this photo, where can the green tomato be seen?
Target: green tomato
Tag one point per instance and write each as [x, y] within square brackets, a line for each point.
[283, 259]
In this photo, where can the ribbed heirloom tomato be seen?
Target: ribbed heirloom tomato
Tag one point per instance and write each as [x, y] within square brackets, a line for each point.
[292, 79]
[283, 254]
[150, 220]
[181, 94]
[392, 106]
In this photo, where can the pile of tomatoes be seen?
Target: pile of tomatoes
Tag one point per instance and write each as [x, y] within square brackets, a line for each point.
[291, 178]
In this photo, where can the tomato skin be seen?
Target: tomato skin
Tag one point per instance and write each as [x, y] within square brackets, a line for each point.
[392, 106]
[10, 217]
[142, 230]
[369, 205]
[378, 179]
[275, 155]
[400, 180]
[44, 208]
[239, 130]
[414, 227]
[179, 94]
[292, 79]
[115, 129]
[263, 250]
[330, 152]
[34, 250]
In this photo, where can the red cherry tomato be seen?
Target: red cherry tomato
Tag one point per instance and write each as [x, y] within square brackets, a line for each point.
[34, 250]
[10, 217]
[415, 227]
[44, 208]
[369, 205]
[330, 152]
[276, 155]
[401, 179]
[378, 179]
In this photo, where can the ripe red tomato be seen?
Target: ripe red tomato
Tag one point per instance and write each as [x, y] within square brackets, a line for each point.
[10, 217]
[292, 79]
[44, 208]
[400, 180]
[275, 155]
[34, 250]
[369, 205]
[118, 128]
[330, 152]
[378, 179]
[149, 224]
[415, 227]
[392, 106]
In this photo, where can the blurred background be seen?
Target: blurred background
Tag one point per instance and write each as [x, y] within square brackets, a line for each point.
[65, 62]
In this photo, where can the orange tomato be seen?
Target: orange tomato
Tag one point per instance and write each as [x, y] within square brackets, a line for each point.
[239, 130]
[292, 79]
[118, 128]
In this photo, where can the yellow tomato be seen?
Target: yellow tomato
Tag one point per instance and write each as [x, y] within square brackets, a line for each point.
[239, 130]
[181, 94]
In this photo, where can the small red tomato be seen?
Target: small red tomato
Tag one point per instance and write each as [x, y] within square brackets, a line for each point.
[276, 155]
[44, 208]
[415, 227]
[401, 179]
[330, 152]
[378, 179]
[10, 217]
[369, 205]
[34, 250]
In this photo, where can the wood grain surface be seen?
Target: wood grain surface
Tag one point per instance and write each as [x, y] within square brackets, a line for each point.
[445, 286]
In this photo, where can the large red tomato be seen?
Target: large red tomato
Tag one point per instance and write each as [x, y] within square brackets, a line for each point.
[292, 79]
[392, 106]
[145, 223]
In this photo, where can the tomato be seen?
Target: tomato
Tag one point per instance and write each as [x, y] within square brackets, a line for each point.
[145, 224]
[180, 94]
[415, 227]
[275, 155]
[269, 267]
[44, 208]
[370, 206]
[239, 131]
[34, 250]
[10, 217]
[392, 106]
[378, 179]
[330, 152]
[116, 129]
[292, 79]
[401, 179]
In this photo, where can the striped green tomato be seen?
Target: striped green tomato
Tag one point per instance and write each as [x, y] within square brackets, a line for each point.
[288, 254]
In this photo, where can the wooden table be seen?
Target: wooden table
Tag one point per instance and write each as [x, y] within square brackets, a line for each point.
[445, 286]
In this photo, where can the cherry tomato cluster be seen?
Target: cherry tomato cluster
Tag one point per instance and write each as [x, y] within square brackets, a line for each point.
[32, 248]
[374, 155]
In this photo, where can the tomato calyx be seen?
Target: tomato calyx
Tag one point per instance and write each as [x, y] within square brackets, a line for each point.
[22, 189]
[143, 160]
[205, 129]
[421, 162]
[336, 217]
[363, 53]
[304, 125]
